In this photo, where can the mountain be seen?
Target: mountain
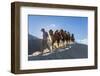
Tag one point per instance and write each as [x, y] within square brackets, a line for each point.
[34, 44]
[30, 37]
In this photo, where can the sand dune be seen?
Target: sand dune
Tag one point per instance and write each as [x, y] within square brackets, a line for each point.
[73, 51]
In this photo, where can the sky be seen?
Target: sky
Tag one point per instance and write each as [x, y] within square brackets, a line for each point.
[73, 24]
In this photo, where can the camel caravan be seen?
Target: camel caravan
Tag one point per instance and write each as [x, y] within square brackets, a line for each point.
[56, 39]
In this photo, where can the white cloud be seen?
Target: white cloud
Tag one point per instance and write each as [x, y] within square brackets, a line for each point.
[52, 25]
[83, 41]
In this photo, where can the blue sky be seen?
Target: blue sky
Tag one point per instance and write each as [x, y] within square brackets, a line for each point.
[76, 25]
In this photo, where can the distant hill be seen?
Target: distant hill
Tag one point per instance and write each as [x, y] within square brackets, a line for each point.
[34, 44]
[30, 37]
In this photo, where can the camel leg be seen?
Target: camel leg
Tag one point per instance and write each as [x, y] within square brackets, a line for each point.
[57, 44]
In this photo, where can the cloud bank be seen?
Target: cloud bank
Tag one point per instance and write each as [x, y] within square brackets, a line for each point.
[83, 41]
